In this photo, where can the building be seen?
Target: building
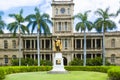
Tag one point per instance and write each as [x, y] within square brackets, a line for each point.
[72, 43]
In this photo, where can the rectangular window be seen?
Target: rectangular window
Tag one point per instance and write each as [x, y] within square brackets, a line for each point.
[68, 10]
[47, 44]
[5, 44]
[78, 43]
[42, 44]
[27, 44]
[66, 44]
[14, 44]
[32, 44]
[56, 11]
[59, 26]
[65, 26]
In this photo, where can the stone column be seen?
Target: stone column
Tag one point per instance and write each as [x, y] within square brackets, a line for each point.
[91, 43]
[95, 44]
[101, 43]
[34, 57]
[72, 44]
[25, 56]
[81, 57]
[44, 44]
[75, 44]
[95, 55]
[91, 56]
[50, 56]
[31, 56]
[72, 56]
[34, 44]
[41, 57]
[25, 44]
[81, 43]
[30, 44]
[50, 44]
[44, 56]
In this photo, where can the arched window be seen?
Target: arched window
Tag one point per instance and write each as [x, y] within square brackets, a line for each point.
[113, 58]
[14, 57]
[113, 43]
[5, 59]
[14, 43]
[5, 44]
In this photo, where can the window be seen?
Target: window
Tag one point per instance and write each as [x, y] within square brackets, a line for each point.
[47, 44]
[5, 44]
[59, 26]
[113, 43]
[65, 26]
[68, 10]
[78, 43]
[14, 43]
[27, 44]
[113, 58]
[5, 59]
[65, 44]
[14, 57]
[56, 11]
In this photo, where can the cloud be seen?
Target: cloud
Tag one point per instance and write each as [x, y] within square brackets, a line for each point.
[7, 4]
[84, 5]
[45, 6]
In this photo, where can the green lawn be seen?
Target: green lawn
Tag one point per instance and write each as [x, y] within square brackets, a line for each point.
[74, 75]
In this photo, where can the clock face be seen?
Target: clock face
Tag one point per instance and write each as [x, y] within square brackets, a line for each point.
[62, 10]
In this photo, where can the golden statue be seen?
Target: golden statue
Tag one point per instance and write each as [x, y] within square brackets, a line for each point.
[58, 45]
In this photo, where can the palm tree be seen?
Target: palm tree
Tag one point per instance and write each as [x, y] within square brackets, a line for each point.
[103, 23]
[84, 25]
[17, 25]
[39, 21]
[2, 23]
[118, 12]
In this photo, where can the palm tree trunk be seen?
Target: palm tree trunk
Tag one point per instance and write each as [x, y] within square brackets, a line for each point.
[38, 49]
[103, 46]
[84, 64]
[19, 47]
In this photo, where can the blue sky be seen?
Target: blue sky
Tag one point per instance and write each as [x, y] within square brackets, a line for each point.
[14, 6]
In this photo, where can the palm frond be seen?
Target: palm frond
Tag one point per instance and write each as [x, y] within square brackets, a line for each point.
[118, 12]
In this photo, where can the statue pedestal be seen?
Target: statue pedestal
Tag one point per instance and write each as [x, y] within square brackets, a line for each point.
[58, 66]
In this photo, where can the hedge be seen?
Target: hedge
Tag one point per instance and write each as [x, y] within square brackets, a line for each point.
[103, 69]
[113, 72]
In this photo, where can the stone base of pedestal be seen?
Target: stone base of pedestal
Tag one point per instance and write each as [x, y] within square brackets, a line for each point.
[58, 67]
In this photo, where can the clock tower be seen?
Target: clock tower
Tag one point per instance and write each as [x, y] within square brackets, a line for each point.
[62, 13]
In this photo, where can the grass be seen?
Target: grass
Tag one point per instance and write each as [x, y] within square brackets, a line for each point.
[73, 75]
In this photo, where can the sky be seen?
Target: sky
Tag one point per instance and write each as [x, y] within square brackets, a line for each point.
[14, 6]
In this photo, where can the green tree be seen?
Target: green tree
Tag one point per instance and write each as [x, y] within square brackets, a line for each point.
[2, 23]
[102, 24]
[18, 26]
[41, 22]
[84, 25]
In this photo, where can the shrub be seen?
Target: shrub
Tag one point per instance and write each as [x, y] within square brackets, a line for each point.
[76, 62]
[114, 73]
[103, 69]
[89, 62]
[45, 63]
[30, 62]
[2, 74]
